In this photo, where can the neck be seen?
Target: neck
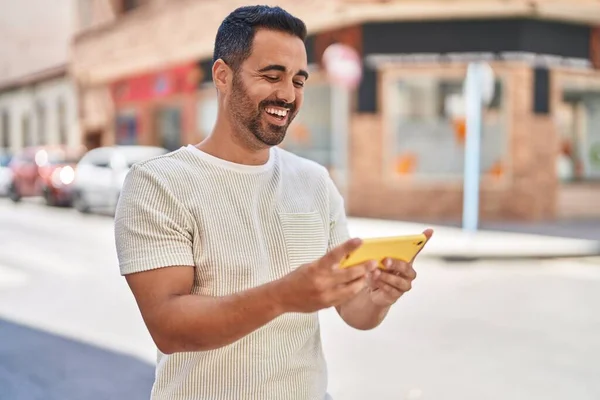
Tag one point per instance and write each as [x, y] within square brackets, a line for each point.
[224, 144]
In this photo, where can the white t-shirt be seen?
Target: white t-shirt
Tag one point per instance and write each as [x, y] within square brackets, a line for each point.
[240, 226]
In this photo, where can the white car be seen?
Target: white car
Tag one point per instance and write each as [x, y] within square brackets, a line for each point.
[101, 172]
[5, 174]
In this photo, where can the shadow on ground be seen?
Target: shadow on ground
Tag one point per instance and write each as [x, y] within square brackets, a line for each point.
[38, 365]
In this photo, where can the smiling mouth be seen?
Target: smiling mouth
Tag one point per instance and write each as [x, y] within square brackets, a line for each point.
[278, 115]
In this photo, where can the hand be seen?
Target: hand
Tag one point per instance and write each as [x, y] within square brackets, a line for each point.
[387, 286]
[322, 284]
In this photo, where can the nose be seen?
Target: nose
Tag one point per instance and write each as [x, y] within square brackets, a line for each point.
[286, 92]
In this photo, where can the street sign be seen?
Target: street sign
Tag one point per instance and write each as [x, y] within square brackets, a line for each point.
[343, 65]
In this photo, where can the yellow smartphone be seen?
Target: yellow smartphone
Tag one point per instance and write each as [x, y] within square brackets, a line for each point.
[404, 248]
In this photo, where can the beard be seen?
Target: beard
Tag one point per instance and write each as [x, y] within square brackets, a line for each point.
[250, 118]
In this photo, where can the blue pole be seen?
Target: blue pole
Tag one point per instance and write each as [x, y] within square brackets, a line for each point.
[473, 98]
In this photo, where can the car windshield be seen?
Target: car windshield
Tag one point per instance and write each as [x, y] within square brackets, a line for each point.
[63, 160]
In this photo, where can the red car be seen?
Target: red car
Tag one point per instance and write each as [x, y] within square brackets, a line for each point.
[46, 171]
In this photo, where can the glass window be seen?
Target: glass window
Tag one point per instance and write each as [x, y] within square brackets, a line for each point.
[126, 127]
[425, 116]
[591, 142]
[578, 117]
[309, 135]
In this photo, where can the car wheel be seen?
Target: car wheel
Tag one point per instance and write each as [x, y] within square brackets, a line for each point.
[80, 204]
[50, 199]
[13, 193]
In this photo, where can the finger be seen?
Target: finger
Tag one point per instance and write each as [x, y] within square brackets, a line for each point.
[397, 282]
[400, 267]
[354, 272]
[391, 291]
[428, 234]
[346, 292]
[335, 255]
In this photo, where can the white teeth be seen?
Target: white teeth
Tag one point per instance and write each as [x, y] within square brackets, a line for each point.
[281, 113]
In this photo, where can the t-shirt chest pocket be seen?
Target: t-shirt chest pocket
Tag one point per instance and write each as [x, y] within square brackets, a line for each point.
[304, 235]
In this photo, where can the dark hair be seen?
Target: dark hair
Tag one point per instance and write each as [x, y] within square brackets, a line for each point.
[233, 43]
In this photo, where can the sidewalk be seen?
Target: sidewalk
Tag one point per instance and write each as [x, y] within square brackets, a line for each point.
[451, 243]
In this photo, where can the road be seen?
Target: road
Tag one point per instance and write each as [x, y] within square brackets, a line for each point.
[70, 328]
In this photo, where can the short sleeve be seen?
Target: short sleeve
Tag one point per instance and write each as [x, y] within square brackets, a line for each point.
[152, 228]
[338, 225]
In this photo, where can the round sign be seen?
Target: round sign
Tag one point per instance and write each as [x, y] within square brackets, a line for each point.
[343, 65]
[485, 79]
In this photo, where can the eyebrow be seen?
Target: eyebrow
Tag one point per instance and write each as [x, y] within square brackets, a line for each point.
[276, 67]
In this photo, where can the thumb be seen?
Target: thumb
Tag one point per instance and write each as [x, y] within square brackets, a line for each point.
[335, 255]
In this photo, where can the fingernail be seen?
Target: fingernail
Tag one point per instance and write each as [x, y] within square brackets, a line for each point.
[388, 263]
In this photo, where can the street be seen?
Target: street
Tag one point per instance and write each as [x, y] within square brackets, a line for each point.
[518, 329]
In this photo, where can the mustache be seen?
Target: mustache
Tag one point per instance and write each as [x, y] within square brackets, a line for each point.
[277, 103]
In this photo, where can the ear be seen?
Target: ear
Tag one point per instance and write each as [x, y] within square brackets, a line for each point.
[222, 75]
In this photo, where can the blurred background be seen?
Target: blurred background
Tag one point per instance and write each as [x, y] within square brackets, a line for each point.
[90, 87]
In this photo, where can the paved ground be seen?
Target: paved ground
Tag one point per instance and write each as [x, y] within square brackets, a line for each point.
[37, 365]
[483, 330]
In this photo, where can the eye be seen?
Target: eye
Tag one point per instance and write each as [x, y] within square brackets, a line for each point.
[299, 83]
[271, 78]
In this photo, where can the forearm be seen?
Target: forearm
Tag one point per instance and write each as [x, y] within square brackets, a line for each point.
[361, 313]
[199, 323]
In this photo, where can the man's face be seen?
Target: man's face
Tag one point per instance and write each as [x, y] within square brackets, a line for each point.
[267, 90]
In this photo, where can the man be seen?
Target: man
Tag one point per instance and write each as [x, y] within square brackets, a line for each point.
[231, 247]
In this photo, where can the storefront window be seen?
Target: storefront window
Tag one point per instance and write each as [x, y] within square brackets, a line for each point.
[579, 132]
[309, 135]
[425, 116]
[168, 126]
[127, 128]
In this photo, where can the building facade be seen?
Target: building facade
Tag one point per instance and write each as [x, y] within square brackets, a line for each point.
[38, 98]
[143, 71]
[39, 109]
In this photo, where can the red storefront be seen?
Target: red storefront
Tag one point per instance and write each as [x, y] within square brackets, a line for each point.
[157, 108]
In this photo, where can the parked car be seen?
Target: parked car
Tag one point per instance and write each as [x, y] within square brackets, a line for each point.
[5, 173]
[101, 173]
[46, 171]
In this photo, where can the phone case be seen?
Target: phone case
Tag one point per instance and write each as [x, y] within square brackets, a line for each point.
[404, 248]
